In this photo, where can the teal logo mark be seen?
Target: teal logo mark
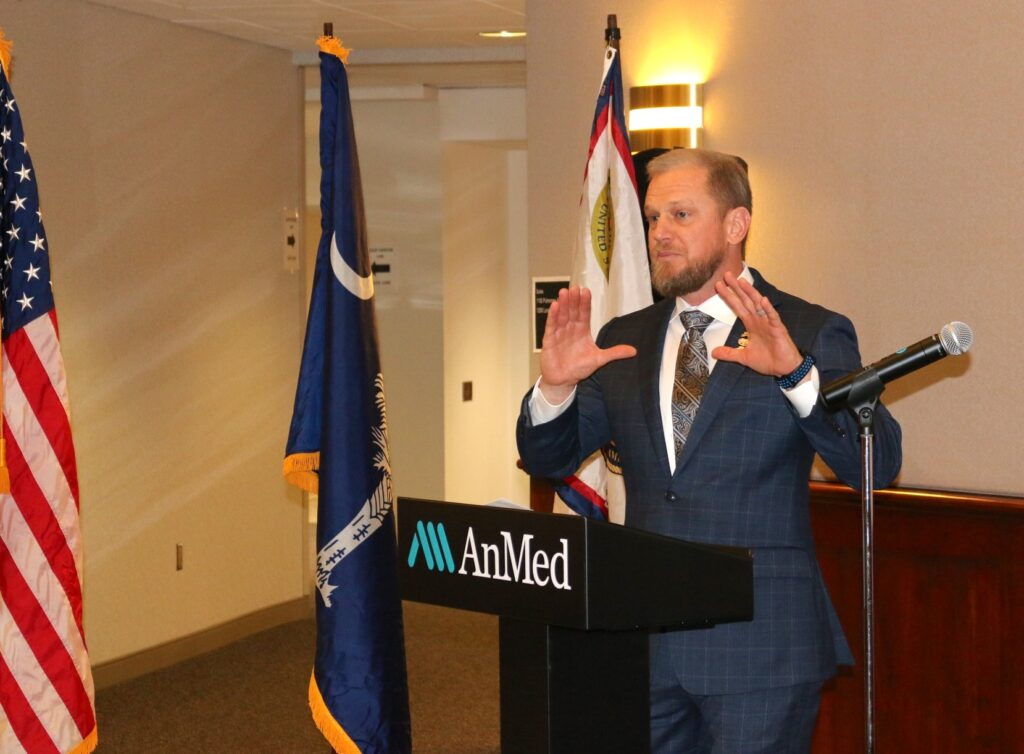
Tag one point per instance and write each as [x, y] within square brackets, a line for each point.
[433, 543]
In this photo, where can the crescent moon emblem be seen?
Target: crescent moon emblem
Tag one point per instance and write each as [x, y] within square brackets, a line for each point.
[356, 284]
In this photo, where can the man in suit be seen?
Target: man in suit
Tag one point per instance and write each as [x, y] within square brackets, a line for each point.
[711, 398]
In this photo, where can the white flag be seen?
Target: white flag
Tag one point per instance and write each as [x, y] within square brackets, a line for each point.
[611, 260]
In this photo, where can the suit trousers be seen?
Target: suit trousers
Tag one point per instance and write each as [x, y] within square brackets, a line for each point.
[776, 720]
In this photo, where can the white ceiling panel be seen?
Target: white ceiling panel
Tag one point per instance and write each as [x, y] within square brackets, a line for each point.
[426, 23]
[388, 26]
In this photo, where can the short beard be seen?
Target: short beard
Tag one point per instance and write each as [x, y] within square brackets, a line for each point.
[690, 278]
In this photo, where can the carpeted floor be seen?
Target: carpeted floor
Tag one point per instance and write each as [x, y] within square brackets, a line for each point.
[251, 696]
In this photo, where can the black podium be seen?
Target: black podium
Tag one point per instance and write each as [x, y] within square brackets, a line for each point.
[577, 601]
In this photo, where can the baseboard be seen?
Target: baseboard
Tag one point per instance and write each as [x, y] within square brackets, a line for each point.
[201, 642]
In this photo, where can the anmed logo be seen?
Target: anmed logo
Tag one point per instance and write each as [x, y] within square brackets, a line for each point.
[433, 542]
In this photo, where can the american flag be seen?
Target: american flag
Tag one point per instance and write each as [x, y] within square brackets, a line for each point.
[46, 686]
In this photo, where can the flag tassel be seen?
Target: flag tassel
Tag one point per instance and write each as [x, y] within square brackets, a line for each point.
[5, 54]
[88, 745]
[332, 45]
[300, 469]
[5, 475]
[334, 733]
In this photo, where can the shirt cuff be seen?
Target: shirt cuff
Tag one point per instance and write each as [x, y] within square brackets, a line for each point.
[803, 396]
[541, 411]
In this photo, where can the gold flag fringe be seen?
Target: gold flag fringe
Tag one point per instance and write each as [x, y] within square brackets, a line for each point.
[5, 475]
[5, 53]
[300, 469]
[325, 722]
[88, 745]
[332, 46]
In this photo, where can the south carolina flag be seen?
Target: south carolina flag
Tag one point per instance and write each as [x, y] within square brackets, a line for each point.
[610, 259]
[338, 448]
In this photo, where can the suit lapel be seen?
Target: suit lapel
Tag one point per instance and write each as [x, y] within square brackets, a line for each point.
[721, 382]
[649, 351]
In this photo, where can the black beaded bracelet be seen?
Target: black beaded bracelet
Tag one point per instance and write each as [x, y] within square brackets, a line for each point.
[791, 380]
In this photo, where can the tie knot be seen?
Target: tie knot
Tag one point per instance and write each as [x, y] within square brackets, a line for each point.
[696, 319]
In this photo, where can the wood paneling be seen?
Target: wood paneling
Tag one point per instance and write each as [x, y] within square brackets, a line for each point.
[949, 664]
[949, 620]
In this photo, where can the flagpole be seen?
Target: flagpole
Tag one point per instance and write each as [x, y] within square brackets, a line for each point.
[612, 35]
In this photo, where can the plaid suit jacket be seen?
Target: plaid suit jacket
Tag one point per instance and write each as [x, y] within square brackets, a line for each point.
[741, 480]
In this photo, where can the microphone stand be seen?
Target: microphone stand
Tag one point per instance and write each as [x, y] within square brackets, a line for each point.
[863, 401]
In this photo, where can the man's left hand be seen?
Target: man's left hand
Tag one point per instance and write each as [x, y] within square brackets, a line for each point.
[769, 349]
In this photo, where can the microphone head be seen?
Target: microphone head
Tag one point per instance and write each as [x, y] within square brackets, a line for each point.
[956, 338]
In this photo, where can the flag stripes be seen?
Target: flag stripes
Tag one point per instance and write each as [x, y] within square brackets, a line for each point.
[39, 536]
[24, 731]
[619, 138]
[51, 655]
[36, 536]
[25, 350]
[579, 496]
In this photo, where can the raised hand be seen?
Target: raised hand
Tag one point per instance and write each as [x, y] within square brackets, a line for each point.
[568, 351]
[769, 350]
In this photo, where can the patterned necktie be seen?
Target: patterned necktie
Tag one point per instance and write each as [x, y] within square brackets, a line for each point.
[691, 375]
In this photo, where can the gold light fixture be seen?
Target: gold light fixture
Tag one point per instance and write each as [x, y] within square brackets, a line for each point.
[666, 115]
[503, 34]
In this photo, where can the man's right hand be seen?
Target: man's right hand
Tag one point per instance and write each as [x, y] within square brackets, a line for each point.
[568, 351]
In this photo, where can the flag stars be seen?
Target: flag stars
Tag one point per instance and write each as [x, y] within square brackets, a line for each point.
[18, 202]
[9, 104]
[26, 301]
[13, 232]
[5, 135]
[9, 261]
[24, 174]
[38, 243]
[32, 272]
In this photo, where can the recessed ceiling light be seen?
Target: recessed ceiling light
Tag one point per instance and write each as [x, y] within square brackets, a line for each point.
[503, 34]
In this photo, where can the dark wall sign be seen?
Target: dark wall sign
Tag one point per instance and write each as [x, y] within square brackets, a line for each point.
[545, 292]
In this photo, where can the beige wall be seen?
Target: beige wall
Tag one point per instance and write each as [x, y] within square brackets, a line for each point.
[884, 144]
[485, 333]
[165, 158]
[400, 159]
[445, 187]
[486, 290]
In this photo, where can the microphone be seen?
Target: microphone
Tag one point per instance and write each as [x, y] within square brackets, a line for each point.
[953, 340]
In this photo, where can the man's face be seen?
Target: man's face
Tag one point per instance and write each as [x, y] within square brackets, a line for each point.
[688, 237]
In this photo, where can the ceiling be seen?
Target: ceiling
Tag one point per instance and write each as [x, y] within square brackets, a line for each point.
[393, 42]
[361, 24]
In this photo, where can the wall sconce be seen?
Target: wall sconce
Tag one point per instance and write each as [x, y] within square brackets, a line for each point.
[666, 115]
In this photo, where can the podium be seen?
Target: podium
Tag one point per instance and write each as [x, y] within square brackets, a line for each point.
[577, 600]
